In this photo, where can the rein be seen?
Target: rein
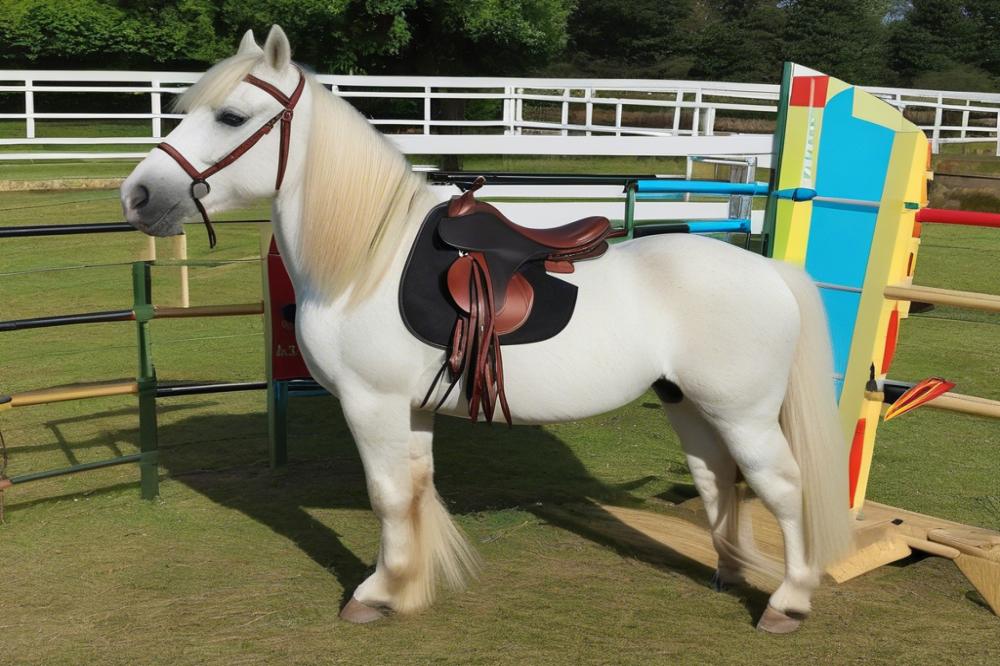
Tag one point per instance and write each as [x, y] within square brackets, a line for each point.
[199, 179]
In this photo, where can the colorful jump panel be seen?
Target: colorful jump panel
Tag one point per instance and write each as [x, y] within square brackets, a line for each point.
[846, 144]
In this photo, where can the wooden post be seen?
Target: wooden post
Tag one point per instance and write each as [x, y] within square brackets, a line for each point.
[962, 299]
[181, 252]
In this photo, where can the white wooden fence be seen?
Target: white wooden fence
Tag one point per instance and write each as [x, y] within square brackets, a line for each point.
[512, 115]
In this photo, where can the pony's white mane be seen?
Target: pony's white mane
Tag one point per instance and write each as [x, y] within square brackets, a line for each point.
[357, 195]
[357, 190]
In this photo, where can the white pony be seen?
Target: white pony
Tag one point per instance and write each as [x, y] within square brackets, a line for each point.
[741, 337]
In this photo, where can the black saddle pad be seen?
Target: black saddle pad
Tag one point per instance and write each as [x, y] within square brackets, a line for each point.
[427, 308]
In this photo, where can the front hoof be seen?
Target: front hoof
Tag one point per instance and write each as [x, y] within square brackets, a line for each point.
[775, 622]
[358, 613]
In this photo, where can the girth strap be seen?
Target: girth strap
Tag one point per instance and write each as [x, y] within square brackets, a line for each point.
[199, 179]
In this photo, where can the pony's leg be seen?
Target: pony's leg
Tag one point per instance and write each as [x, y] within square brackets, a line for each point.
[714, 473]
[418, 541]
[766, 461]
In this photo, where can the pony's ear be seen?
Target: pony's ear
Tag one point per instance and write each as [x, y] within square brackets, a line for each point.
[248, 45]
[277, 51]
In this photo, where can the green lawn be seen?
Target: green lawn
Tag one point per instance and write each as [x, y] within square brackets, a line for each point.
[235, 564]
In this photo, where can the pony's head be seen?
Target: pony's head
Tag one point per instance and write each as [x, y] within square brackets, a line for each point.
[233, 107]
[350, 189]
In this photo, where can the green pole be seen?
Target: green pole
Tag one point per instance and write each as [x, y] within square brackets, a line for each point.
[277, 422]
[771, 212]
[630, 188]
[146, 379]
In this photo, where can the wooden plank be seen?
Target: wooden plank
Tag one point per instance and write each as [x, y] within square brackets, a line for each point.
[962, 299]
[74, 392]
[967, 404]
[231, 310]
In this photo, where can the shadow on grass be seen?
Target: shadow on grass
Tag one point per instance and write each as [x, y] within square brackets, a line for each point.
[477, 469]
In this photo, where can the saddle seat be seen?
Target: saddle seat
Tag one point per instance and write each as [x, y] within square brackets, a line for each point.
[494, 284]
[569, 238]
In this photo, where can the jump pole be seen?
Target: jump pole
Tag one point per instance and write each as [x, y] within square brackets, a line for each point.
[963, 217]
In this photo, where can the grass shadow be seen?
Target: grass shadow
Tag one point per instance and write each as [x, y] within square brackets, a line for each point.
[478, 469]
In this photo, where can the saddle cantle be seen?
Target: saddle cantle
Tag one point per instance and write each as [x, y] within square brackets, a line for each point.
[475, 281]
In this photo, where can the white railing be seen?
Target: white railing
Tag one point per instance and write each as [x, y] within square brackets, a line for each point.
[512, 116]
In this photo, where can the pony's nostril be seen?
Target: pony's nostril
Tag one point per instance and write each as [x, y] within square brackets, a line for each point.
[138, 198]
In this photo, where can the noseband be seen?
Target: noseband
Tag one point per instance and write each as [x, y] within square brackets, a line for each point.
[199, 179]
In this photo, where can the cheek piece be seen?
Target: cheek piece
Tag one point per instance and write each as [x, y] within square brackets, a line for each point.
[199, 179]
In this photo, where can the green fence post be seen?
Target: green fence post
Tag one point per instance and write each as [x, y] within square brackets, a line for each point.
[277, 422]
[630, 188]
[149, 455]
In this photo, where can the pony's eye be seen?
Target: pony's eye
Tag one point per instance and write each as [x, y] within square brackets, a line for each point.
[230, 118]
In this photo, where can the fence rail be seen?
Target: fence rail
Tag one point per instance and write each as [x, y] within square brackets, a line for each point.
[424, 114]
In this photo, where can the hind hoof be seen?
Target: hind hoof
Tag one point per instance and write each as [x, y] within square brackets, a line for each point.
[358, 613]
[775, 622]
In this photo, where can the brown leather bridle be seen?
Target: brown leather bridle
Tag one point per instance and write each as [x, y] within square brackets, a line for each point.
[199, 179]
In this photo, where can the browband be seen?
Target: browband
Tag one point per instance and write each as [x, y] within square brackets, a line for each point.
[199, 179]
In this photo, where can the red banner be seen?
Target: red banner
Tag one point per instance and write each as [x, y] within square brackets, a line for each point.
[286, 360]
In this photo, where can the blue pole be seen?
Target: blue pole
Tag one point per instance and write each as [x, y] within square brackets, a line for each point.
[703, 187]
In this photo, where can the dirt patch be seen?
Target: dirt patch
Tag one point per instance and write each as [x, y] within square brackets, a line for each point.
[60, 184]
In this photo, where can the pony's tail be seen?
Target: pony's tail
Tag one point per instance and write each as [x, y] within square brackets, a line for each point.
[441, 554]
[810, 422]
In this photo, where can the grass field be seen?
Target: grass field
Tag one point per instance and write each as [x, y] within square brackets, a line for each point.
[235, 564]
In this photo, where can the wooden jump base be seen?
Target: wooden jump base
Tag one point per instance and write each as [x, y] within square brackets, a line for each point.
[884, 535]
[962, 299]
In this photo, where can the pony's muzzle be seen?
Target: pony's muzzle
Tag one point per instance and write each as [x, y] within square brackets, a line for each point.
[135, 198]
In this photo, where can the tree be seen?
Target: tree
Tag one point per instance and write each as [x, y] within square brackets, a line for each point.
[741, 41]
[480, 37]
[637, 39]
[844, 38]
[932, 36]
[984, 48]
[92, 33]
[331, 36]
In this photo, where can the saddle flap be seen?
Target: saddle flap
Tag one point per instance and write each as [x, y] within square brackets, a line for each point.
[516, 306]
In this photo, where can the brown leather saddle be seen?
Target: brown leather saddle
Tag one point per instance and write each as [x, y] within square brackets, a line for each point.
[475, 281]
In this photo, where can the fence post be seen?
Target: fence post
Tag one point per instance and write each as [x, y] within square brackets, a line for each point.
[697, 113]
[677, 111]
[519, 111]
[277, 421]
[965, 118]
[590, 109]
[618, 118]
[565, 111]
[29, 109]
[936, 134]
[156, 110]
[149, 456]
[427, 109]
